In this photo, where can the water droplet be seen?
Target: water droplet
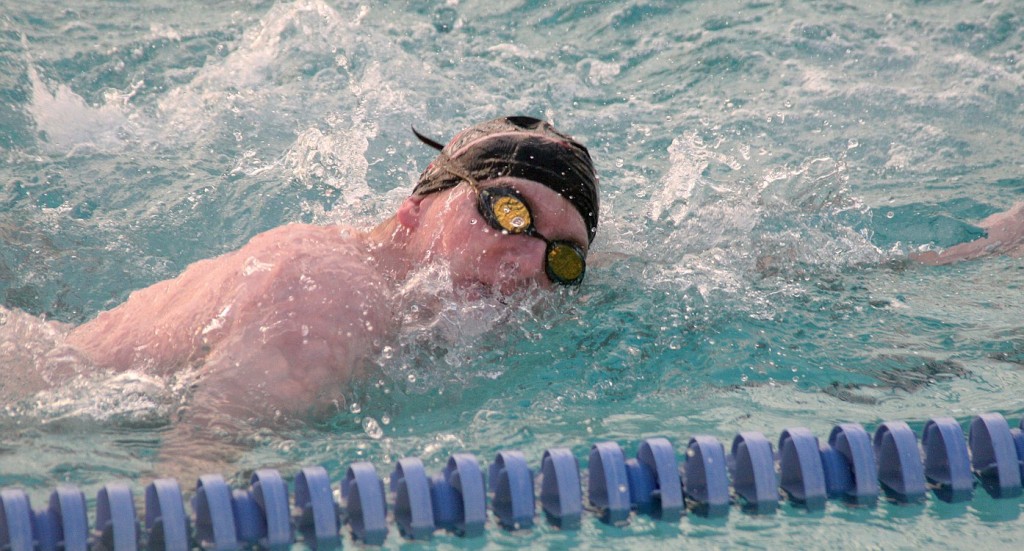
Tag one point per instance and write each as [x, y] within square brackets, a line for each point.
[890, 214]
[372, 428]
[387, 353]
[355, 407]
[411, 377]
[385, 419]
[619, 163]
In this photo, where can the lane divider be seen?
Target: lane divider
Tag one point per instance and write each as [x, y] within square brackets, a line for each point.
[853, 467]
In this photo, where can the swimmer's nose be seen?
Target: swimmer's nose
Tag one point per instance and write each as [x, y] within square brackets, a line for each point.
[525, 257]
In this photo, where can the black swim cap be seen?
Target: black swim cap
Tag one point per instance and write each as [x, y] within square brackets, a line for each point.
[521, 147]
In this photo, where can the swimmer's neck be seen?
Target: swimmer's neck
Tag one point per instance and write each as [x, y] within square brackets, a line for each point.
[388, 248]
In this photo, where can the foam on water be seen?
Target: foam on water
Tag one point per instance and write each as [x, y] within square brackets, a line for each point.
[49, 383]
[69, 126]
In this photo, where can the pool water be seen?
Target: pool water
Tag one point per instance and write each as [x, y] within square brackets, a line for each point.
[766, 169]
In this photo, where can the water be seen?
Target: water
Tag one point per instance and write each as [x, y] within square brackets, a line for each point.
[765, 170]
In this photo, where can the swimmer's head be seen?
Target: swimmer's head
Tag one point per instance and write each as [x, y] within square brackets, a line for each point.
[517, 147]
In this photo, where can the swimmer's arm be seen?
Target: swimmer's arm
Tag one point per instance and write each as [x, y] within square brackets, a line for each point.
[1005, 236]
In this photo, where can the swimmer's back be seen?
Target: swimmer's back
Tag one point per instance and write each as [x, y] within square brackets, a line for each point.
[299, 290]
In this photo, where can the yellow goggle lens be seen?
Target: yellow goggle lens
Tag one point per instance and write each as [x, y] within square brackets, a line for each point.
[511, 214]
[565, 263]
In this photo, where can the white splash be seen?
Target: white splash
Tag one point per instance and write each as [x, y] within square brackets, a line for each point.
[67, 124]
[247, 78]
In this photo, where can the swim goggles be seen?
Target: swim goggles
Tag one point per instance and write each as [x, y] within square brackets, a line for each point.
[507, 211]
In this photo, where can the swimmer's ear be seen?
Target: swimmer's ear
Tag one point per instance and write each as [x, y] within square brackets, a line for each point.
[408, 214]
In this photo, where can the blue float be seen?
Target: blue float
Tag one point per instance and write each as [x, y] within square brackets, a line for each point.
[511, 485]
[414, 511]
[214, 514]
[560, 492]
[658, 461]
[166, 522]
[250, 527]
[67, 508]
[15, 520]
[900, 470]
[609, 483]
[363, 492]
[852, 467]
[947, 464]
[116, 523]
[853, 444]
[705, 480]
[317, 521]
[802, 474]
[753, 472]
[994, 455]
[461, 484]
[270, 494]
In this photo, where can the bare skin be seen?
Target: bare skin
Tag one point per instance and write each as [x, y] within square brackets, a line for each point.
[282, 324]
[1005, 236]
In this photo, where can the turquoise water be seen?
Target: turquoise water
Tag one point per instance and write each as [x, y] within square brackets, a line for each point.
[765, 167]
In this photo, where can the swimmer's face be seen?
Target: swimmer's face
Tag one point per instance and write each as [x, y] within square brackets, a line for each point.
[453, 231]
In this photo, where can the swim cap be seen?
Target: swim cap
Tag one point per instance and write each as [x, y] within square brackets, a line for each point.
[521, 147]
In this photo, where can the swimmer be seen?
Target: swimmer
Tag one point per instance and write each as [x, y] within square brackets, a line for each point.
[284, 323]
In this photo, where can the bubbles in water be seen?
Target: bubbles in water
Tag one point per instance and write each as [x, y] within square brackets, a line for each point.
[372, 428]
[355, 408]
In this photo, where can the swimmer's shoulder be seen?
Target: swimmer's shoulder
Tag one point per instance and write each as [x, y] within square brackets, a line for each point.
[307, 244]
[307, 252]
[297, 234]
